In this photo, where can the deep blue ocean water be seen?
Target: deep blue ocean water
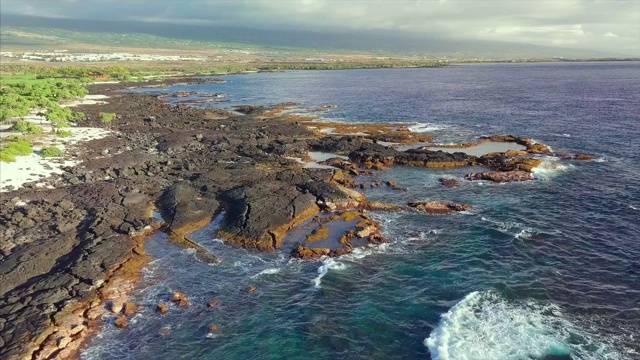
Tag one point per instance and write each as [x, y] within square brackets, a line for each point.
[539, 270]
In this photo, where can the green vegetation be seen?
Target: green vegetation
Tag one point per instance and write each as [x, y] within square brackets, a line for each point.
[14, 147]
[17, 98]
[59, 116]
[7, 157]
[32, 73]
[27, 128]
[64, 133]
[50, 151]
[79, 116]
[107, 118]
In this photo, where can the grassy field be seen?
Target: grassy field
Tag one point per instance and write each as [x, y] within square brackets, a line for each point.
[13, 79]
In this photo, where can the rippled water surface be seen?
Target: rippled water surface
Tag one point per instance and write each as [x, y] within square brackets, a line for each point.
[540, 270]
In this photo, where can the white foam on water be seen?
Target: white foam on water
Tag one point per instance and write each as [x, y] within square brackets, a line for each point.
[634, 207]
[327, 263]
[341, 263]
[269, 271]
[525, 234]
[550, 168]
[484, 325]
[502, 226]
[426, 127]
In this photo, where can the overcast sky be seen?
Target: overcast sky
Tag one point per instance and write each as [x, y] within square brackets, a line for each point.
[603, 25]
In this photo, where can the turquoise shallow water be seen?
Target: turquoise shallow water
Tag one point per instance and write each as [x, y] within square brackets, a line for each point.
[540, 270]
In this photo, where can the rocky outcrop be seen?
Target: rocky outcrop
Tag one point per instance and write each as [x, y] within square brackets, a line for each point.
[306, 253]
[360, 230]
[58, 249]
[429, 207]
[373, 156]
[449, 182]
[338, 145]
[185, 209]
[257, 216]
[331, 196]
[342, 164]
[505, 163]
[532, 146]
[501, 177]
[438, 207]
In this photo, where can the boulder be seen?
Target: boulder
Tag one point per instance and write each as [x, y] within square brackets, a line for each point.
[305, 253]
[178, 297]
[129, 309]
[438, 207]
[162, 308]
[584, 157]
[448, 182]
[501, 177]
[121, 322]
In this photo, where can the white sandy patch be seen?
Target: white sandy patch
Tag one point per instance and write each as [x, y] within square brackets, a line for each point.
[87, 100]
[322, 156]
[34, 167]
[29, 168]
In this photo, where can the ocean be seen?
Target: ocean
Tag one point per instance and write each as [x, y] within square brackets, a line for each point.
[548, 269]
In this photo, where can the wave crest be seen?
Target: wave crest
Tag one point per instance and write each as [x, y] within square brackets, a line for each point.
[484, 325]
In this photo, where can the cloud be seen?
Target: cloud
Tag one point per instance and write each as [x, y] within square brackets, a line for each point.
[602, 25]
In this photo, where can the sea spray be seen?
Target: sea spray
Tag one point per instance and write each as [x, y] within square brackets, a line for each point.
[327, 263]
[550, 168]
[485, 325]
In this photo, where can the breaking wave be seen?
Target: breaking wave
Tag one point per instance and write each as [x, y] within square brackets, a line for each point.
[328, 263]
[269, 271]
[426, 127]
[484, 325]
[550, 167]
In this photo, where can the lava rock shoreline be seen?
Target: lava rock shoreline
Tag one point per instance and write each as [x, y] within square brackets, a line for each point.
[69, 248]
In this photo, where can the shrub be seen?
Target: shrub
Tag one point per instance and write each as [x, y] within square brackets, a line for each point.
[107, 117]
[59, 116]
[6, 156]
[64, 133]
[18, 147]
[50, 151]
[26, 127]
[79, 116]
[14, 147]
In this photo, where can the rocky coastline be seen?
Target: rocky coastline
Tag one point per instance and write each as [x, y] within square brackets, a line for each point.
[72, 249]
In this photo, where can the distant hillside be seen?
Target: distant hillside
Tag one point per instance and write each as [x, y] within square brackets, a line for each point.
[22, 36]
[138, 33]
